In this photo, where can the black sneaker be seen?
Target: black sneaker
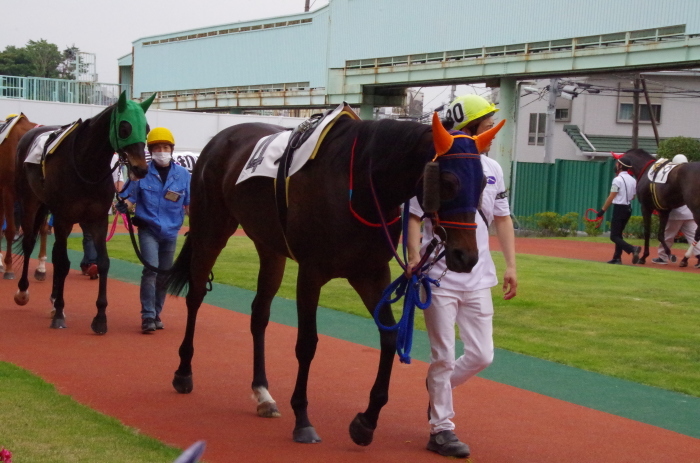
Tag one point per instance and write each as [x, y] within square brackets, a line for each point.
[659, 260]
[635, 254]
[446, 444]
[159, 324]
[615, 261]
[148, 324]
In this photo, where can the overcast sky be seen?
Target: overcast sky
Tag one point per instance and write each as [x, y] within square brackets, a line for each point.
[107, 28]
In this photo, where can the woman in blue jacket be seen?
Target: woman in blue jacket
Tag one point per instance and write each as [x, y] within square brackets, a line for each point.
[161, 199]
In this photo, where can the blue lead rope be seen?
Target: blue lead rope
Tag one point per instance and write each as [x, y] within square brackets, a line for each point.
[410, 288]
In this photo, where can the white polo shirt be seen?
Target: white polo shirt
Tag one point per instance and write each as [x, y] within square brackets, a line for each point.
[626, 187]
[483, 275]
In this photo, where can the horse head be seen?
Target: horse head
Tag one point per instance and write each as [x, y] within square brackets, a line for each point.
[639, 158]
[127, 133]
[453, 184]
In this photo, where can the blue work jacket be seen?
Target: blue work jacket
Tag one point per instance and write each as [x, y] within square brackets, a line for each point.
[163, 216]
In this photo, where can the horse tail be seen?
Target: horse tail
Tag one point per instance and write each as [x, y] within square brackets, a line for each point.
[179, 274]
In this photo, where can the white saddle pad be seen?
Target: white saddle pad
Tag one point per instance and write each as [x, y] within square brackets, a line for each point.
[37, 148]
[663, 172]
[6, 128]
[268, 150]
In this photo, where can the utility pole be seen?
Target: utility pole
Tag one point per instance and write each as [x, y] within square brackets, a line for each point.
[652, 116]
[306, 5]
[453, 90]
[635, 114]
[549, 129]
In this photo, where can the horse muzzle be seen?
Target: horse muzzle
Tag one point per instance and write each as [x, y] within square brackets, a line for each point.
[138, 172]
[461, 261]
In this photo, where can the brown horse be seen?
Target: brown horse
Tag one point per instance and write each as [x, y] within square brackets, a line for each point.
[330, 231]
[8, 149]
[682, 187]
[77, 187]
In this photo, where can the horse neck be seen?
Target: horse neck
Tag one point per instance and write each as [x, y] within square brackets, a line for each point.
[92, 149]
[396, 173]
[640, 161]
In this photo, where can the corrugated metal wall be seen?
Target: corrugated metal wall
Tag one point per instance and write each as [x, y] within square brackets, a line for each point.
[562, 187]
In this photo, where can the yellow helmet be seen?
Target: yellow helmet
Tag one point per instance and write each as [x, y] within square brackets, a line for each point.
[10, 116]
[160, 135]
[467, 108]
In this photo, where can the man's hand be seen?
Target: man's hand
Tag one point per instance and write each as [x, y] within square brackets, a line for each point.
[510, 284]
[122, 207]
[600, 213]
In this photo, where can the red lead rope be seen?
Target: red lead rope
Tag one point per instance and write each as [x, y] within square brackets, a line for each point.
[355, 214]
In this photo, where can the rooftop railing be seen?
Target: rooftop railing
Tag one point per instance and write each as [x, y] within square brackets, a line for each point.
[61, 90]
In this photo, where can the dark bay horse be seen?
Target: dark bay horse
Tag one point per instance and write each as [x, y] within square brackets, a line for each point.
[324, 235]
[8, 150]
[77, 187]
[682, 187]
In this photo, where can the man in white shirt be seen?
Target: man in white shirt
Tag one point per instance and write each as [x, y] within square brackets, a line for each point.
[622, 192]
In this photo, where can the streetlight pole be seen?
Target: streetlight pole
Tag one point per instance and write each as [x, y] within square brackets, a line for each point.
[549, 129]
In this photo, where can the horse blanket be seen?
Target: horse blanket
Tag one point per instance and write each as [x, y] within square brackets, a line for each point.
[658, 172]
[6, 127]
[264, 160]
[47, 142]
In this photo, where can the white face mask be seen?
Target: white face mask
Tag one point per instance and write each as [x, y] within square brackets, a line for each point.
[161, 158]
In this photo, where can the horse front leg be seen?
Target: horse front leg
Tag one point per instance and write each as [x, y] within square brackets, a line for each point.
[269, 279]
[61, 266]
[370, 288]
[661, 233]
[99, 234]
[309, 283]
[31, 219]
[40, 272]
[7, 212]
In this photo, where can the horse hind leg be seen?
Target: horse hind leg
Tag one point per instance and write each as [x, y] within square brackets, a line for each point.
[40, 272]
[269, 280]
[34, 213]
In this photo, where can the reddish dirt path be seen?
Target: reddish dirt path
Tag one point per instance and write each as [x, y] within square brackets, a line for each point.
[127, 375]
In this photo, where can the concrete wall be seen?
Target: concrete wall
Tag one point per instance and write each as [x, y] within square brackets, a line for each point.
[192, 131]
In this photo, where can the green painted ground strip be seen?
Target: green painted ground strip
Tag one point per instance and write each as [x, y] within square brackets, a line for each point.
[646, 404]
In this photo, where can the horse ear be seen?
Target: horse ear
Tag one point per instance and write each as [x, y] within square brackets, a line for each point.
[121, 104]
[483, 140]
[147, 104]
[441, 137]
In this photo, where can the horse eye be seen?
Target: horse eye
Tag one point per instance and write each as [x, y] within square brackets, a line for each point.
[124, 129]
[449, 186]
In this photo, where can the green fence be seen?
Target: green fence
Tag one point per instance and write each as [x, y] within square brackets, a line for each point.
[565, 186]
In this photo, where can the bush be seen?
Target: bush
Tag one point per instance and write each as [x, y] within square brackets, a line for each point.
[591, 230]
[680, 145]
[635, 227]
[549, 224]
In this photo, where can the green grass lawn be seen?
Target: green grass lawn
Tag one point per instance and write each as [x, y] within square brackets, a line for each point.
[40, 425]
[636, 323]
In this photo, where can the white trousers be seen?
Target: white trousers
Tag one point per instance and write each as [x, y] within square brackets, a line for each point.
[688, 228]
[472, 311]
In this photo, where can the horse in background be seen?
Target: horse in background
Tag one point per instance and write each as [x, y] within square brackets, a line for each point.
[361, 169]
[8, 150]
[682, 187]
[76, 186]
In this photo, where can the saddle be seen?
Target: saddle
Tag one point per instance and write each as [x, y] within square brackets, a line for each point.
[6, 126]
[299, 135]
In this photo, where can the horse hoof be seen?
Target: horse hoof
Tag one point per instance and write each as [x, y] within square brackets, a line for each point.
[58, 323]
[99, 324]
[684, 262]
[360, 432]
[39, 276]
[9, 276]
[183, 384]
[306, 435]
[642, 261]
[21, 298]
[268, 410]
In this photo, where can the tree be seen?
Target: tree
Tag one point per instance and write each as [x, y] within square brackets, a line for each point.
[70, 57]
[15, 62]
[44, 57]
[680, 145]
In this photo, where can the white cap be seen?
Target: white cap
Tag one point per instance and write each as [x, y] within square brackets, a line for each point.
[679, 159]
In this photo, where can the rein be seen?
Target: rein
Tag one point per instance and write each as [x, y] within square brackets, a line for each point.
[646, 166]
[77, 171]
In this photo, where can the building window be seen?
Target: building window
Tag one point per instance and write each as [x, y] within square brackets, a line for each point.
[562, 114]
[538, 122]
[626, 110]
